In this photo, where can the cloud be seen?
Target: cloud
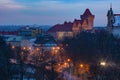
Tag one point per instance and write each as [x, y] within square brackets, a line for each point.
[10, 4]
[53, 11]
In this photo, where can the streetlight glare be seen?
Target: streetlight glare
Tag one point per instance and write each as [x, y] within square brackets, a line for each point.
[68, 60]
[103, 63]
[56, 51]
[53, 48]
[29, 48]
[24, 48]
[81, 65]
[13, 47]
[37, 49]
[58, 48]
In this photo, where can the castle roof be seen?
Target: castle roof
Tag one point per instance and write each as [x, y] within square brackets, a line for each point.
[67, 26]
[61, 27]
[87, 12]
[78, 21]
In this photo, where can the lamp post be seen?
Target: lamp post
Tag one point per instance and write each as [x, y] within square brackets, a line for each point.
[13, 47]
[103, 65]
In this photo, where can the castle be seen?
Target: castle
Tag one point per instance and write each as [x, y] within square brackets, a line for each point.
[70, 29]
[113, 22]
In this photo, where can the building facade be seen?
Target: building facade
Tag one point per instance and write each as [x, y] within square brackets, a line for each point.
[9, 29]
[113, 22]
[29, 31]
[44, 42]
[70, 29]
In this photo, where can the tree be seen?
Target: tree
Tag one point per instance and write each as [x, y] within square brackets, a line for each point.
[90, 48]
[5, 56]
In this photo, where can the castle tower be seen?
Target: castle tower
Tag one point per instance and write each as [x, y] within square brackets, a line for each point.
[110, 20]
[89, 17]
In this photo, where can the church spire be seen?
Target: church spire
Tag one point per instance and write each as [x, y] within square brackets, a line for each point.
[110, 19]
[111, 6]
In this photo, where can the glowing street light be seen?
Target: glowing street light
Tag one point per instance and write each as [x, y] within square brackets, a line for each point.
[29, 48]
[53, 48]
[81, 65]
[68, 60]
[13, 47]
[103, 63]
[66, 64]
[37, 49]
[24, 48]
[58, 48]
[56, 51]
[59, 64]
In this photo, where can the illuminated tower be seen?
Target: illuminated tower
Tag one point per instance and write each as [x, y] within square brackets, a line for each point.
[89, 18]
[110, 20]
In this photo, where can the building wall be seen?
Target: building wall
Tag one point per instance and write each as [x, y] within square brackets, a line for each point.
[85, 25]
[90, 22]
[62, 34]
[76, 28]
[29, 32]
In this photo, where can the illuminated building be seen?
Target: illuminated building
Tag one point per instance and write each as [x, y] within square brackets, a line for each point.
[29, 31]
[70, 29]
[45, 42]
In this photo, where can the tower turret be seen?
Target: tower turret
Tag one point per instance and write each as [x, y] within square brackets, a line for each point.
[89, 17]
[110, 19]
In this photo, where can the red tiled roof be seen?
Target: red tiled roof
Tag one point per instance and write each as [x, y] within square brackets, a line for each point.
[78, 21]
[61, 27]
[87, 12]
[9, 32]
[67, 26]
[54, 28]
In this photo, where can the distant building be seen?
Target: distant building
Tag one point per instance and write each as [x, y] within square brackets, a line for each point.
[117, 20]
[45, 42]
[9, 29]
[29, 31]
[113, 24]
[70, 29]
[14, 41]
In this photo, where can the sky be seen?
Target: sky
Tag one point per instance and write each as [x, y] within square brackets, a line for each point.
[51, 12]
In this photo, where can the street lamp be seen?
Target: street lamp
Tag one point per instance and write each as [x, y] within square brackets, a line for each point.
[29, 48]
[68, 60]
[81, 65]
[58, 48]
[103, 63]
[13, 46]
[24, 48]
[37, 49]
[55, 51]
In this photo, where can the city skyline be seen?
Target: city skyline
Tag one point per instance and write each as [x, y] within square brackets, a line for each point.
[51, 12]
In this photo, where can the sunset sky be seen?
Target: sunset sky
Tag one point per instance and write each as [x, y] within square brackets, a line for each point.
[50, 12]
